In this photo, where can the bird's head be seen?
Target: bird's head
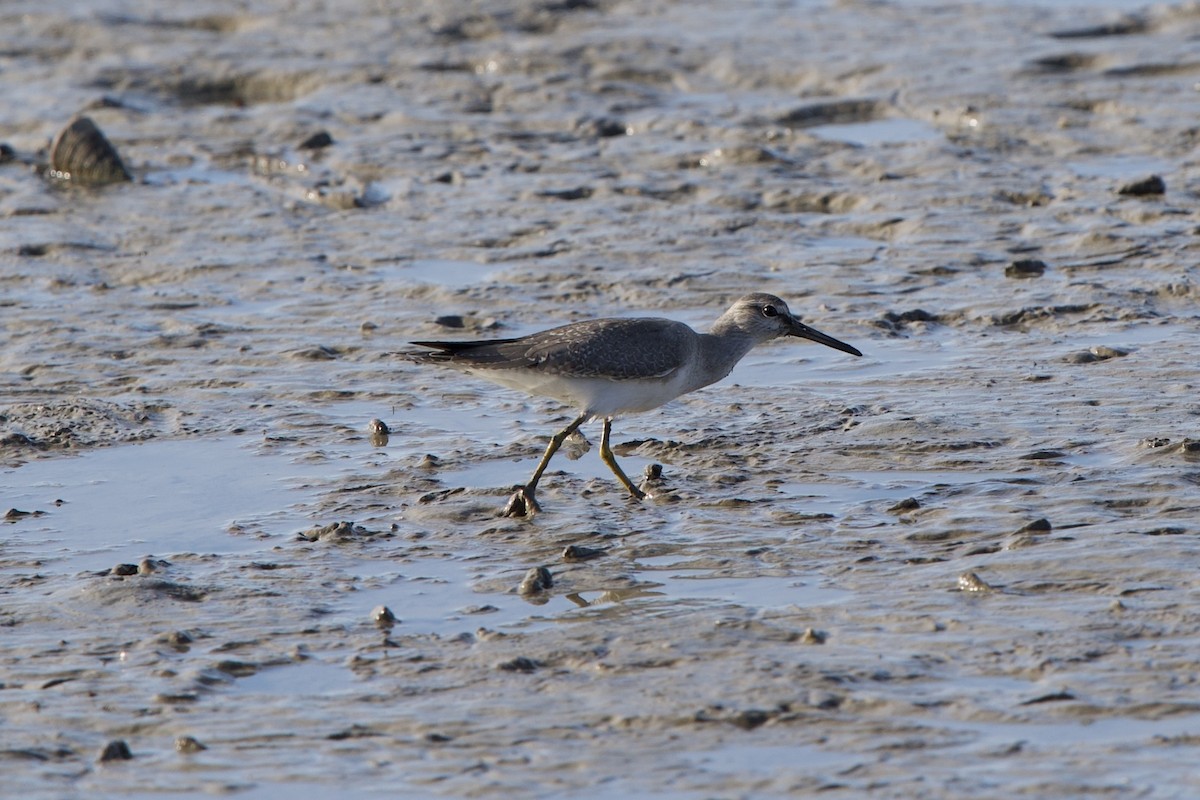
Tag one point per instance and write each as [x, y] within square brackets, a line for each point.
[765, 317]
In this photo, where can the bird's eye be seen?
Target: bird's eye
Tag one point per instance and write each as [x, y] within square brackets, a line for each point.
[770, 311]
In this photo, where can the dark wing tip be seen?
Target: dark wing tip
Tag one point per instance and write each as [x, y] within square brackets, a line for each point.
[437, 345]
[463, 346]
[437, 351]
[493, 353]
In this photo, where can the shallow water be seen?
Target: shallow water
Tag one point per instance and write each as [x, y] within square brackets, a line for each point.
[880, 132]
[126, 503]
[962, 565]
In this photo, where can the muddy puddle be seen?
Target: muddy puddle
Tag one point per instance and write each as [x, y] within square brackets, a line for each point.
[962, 565]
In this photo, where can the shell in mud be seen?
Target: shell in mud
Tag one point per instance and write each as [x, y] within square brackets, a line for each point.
[81, 154]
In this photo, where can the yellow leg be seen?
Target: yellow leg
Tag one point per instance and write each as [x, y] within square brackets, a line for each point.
[606, 455]
[556, 442]
[522, 503]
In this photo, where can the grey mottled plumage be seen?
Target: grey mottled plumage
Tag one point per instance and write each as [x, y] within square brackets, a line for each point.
[606, 367]
[617, 349]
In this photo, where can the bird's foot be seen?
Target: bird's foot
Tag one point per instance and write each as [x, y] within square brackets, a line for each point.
[522, 503]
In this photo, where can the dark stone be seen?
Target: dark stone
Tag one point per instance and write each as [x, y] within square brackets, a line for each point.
[116, 750]
[317, 141]
[520, 664]
[1037, 526]
[1025, 268]
[1146, 187]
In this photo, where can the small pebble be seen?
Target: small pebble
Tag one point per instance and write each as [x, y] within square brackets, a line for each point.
[116, 750]
[1022, 540]
[750, 719]
[909, 504]
[604, 127]
[150, 565]
[483, 609]
[333, 532]
[1154, 185]
[235, 668]
[821, 699]
[570, 194]
[1043, 455]
[520, 664]
[318, 141]
[188, 744]
[970, 582]
[536, 581]
[1104, 352]
[124, 569]
[383, 616]
[812, 636]
[1098, 353]
[1025, 268]
[574, 552]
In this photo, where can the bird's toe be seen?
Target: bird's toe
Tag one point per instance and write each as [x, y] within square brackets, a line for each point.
[522, 504]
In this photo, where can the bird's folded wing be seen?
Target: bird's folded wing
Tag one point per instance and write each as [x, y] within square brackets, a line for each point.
[617, 349]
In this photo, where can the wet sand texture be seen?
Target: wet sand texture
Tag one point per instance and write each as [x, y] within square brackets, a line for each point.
[961, 566]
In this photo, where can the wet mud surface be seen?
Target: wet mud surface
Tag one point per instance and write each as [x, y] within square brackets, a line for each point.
[963, 565]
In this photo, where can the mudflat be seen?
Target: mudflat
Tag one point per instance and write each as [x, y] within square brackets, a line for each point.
[252, 551]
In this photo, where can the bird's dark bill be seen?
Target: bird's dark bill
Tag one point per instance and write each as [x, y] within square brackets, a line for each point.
[805, 332]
